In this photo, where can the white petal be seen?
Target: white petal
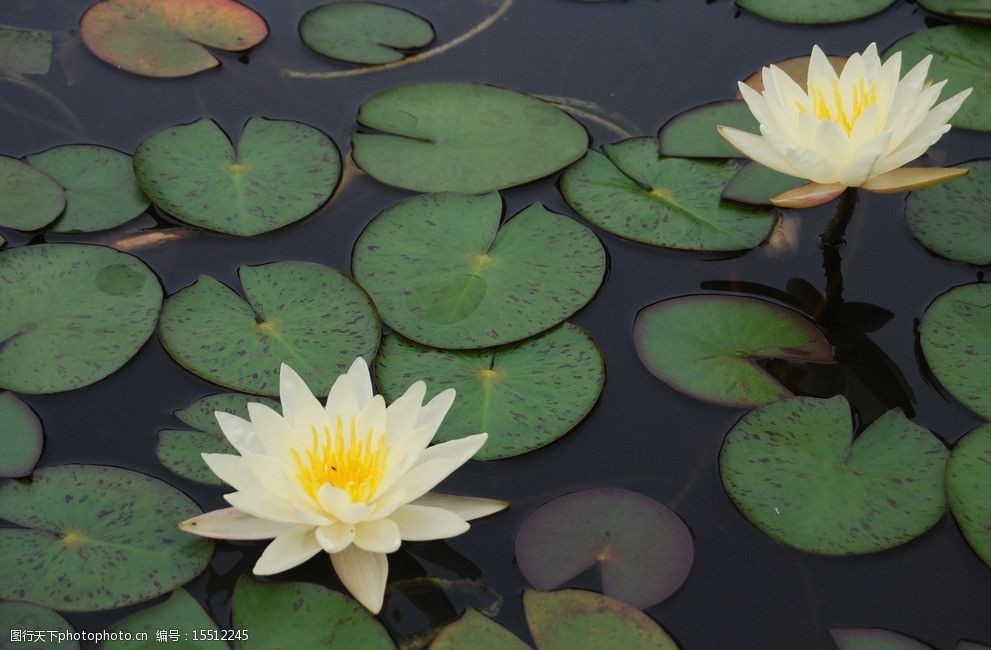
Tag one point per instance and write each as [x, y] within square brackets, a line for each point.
[757, 149]
[458, 451]
[262, 503]
[467, 508]
[401, 415]
[422, 523]
[338, 504]
[299, 407]
[927, 133]
[289, 549]
[231, 523]
[334, 538]
[872, 62]
[866, 161]
[361, 381]
[240, 433]
[756, 103]
[341, 402]
[231, 470]
[433, 412]
[273, 430]
[364, 574]
[821, 71]
[370, 418]
[378, 536]
[420, 479]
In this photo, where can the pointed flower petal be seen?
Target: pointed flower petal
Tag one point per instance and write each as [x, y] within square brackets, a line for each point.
[291, 548]
[231, 523]
[808, 196]
[907, 179]
[364, 574]
[467, 508]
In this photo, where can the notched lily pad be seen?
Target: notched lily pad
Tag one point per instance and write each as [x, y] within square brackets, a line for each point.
[873, 638]
[524, 395]
[956, 341]
[478, 632]
[95, 538]
[756, 184]
[814, 12]
[953, 219]
[443, 273]
[673, 202]
[307, 315]
[29, 198]
[364, 32]
[180, 612]
[71, 314]
[163, 38]
[693, 133]
[28, 616]
[100, 189]
[792, 470]
[21, 437]
[25, 51]
[280, 173]
[707, 346]
[463, 137]
[968, 486]
[978, 11]
[644, 551]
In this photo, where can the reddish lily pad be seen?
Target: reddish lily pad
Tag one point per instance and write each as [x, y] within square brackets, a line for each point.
[21, 437]
[164, 38]
[643, 549]
[872, 638]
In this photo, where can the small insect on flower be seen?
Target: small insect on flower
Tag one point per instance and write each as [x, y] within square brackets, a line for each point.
[855, 129]
[350, 478]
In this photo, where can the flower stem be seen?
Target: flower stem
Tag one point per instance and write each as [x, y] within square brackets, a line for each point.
[833, 235]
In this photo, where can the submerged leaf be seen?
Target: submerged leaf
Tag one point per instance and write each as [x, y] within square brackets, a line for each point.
[25, 51]
[364, 32]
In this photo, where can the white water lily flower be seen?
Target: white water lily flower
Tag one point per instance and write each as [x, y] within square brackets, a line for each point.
[855, 129]
[351, 478]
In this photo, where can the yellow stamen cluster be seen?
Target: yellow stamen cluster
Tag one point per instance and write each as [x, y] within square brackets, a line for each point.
[862, 97]
[353, 463]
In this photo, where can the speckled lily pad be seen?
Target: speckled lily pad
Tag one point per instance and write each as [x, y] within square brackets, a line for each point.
[280, 173]
[364, 32]
[28, 616]
[956, 341]
[693, 133]
[307, 315]
[791, 469]
[954, 219]
[814, 12]
[443, 273]
[21, 437]
[71, 314]
[978, 11]
[672, 202]
[29, 198]
[756, 184]
[478, 632]
[180, 612]
[968, 488]
[524, 395]
[95, 538]
[872, 638]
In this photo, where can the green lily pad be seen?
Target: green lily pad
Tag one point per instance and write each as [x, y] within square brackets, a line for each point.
[29, 199]
[71, 314]
[180, 612]
[968, 484]
[100, 189]
[644, 551]
[956, 341]
[791, 469]
[974, 10]
[955, 49]
[671, 202]
[300, 313]
[814, 12]
[707, 346]
[524, 396]
[21, 437]
[756, 184]
[280, 173]
[873, 638]
[463, 137]
[181, 450]
[364, 32]
[953, 219]
[693, 134]
[478, 632]
[160, 38]
[443, 273]
[28, 616]
[25, 51]
[289, 615]
[571, 619]
[95, 538]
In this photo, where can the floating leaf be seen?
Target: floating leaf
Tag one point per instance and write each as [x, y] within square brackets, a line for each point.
[956, 341]
[756, 184]
[181, 450]
[71, 314]
[672, 202]
[28, 616]
[524, 396]
[304, 314]
[180, 612]
[974, 10]
[290, 615]
[95, 538]
[693, 133]
[364, 32]
[463, 137]
[954, 48]
[953, 220]
[872, 638]
[791, 469]
[968, 484]
[21, 437]
[29, 199]
[797, 68]
[708, 346]
[643, 549]
[478, 632]
[571, 619]
[100, 189]
[443, 273]
[164, 38]
[280, 173]
[25, 51]
[814, 12]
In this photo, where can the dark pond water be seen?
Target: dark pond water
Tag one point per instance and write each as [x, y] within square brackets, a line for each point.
[646, 60]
